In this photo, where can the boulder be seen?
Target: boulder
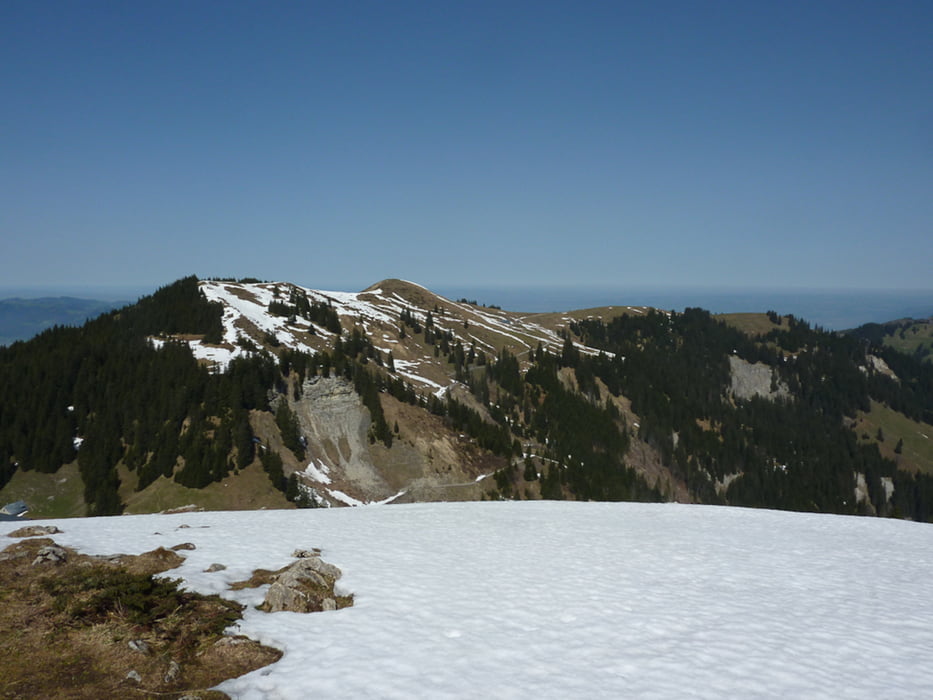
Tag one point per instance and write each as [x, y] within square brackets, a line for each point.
[50, 554]
[35, 531]
[305, 586]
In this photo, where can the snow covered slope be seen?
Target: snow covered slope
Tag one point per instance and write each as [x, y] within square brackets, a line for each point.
[560, 600]
[375, 311]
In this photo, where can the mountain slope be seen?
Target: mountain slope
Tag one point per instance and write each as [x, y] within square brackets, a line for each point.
[398, 394]
[910, 336]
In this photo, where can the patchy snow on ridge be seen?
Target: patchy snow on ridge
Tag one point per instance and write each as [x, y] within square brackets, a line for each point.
[568, 600]
[218, 356]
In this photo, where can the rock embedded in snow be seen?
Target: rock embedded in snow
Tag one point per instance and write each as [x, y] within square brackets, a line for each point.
[305, 586]
[35, 531]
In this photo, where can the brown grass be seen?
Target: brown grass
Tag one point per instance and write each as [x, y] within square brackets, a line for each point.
[67, 629]
[917, 449]
[753, 324]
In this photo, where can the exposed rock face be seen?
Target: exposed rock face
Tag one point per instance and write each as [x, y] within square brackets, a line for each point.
[751, 380]
[879, 365]
[336, 423]
[427, 460]
[305, 586]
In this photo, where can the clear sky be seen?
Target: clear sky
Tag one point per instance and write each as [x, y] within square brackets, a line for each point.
[333, 144]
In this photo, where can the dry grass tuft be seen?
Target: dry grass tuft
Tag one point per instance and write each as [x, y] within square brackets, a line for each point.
[69, 628]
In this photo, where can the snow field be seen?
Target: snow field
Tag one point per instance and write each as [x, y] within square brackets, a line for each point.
[558, 600]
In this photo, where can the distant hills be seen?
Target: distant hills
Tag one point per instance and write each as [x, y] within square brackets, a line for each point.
[248, 394]
[21, 319]
[910, 336]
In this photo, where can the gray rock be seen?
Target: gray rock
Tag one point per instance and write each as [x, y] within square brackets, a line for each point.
[297, 576]
[231, 641]
[316, 565]
[305, 586]
[134, 677]
[174, 670]
[306, 553]
[750, 380]
[183, 545]
[280, 598]
[35, 531]
[50, 554]
[214, 567]
[139, 645]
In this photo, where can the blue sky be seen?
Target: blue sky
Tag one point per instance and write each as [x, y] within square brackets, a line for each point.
[717, 144]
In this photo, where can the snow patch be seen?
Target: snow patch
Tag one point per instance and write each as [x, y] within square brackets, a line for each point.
[651, 600]
[344, 498]
[318, 471]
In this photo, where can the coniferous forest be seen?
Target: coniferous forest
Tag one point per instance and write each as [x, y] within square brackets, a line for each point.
[129, 386]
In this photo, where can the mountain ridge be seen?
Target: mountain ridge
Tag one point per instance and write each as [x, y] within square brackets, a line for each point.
[395, 393]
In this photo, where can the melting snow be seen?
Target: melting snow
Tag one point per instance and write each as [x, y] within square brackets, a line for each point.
[219, 356]
[344, 498]
[562, 599]
[318, 471]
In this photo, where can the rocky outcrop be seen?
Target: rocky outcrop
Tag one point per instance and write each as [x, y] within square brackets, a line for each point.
[305, 586]
[50, 554]
[878, 365]
[35, 531]
[758, 379]
[336, 423]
